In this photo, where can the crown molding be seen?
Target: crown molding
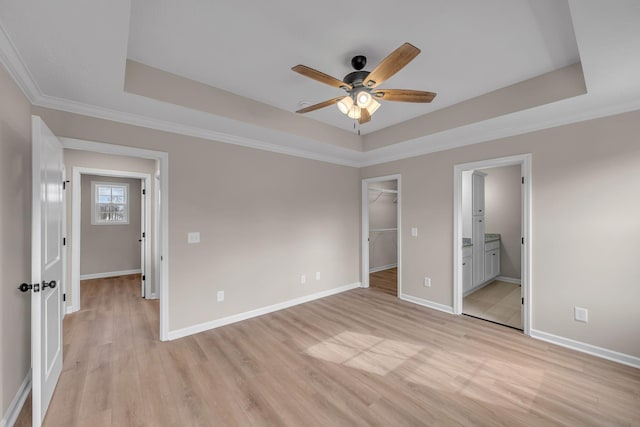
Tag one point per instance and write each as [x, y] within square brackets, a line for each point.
[15, 66]
[181, 129]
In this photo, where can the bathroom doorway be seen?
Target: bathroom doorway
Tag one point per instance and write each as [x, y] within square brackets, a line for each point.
[492, 248]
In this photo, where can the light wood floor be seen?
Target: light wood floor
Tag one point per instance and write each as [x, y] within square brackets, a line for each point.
[385, 281]
[358, 358]
[498, 302]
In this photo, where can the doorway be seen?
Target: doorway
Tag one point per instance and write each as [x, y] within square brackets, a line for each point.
[115, 223]
[492, 202]
[158, 251]
[381, 234]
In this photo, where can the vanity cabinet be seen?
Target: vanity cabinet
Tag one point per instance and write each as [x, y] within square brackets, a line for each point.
[467, 268]
[478, 250]
[492, 263]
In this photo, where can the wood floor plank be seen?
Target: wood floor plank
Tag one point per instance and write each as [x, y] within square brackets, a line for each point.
[360, 358]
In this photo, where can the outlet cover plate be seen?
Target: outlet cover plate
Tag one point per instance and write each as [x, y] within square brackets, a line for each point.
[581, 314]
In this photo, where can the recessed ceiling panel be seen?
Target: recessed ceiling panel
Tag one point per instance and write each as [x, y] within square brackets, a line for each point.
[248, 48]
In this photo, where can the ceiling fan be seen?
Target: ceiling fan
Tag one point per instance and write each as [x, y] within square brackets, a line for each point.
[361, 86]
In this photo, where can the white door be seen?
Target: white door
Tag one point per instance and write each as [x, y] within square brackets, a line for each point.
[46, 267]
[143, 236]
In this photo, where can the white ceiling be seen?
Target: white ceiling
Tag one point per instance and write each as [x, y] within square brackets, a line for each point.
[71, 55]
[248, 47]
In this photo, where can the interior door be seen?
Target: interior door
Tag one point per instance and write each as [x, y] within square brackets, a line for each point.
[46, 267]
[143, 236]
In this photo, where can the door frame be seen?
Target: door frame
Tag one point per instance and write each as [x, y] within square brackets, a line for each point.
[365, 228]
[524, 160]
[161, 272]
[76, 222]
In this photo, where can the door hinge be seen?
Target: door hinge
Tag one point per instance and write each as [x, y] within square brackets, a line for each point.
[64, 184]
[144, 234]
[64, 241]
[64, 297]
[522, 300]
[144, 191]
[144, 277]
[523, 179]
[523, 240]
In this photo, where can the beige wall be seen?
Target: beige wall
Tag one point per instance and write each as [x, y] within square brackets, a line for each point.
[383, 213]
[586, 225]
[264, 218]
[86, 159]
[15, 239]
[110, 248]
[502, 195]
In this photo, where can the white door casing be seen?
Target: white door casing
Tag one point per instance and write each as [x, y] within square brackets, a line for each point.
[143, 238]
[46, 266]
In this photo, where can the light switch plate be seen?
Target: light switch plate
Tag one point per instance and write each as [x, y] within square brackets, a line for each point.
[581, 314]
[193, 237]
[220, 296]
[414, 232]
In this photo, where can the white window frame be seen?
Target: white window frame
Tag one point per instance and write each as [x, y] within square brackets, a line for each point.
[94, 203]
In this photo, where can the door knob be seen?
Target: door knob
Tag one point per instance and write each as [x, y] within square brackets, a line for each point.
[51, 284]
[24, 287]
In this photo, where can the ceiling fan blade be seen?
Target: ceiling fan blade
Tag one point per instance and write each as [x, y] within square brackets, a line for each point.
[320, 105]
[321, 77]
[364, 116]
[391, 64]
[404, 95]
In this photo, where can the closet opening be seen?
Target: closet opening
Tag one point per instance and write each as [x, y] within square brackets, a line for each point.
[381, 234]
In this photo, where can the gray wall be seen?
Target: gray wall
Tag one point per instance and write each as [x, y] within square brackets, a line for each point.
[265, 219]
[15, 239]
[502, 195]
[110, 248]
[585, 219]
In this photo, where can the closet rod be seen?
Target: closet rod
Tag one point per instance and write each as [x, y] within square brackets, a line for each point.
[383, 190]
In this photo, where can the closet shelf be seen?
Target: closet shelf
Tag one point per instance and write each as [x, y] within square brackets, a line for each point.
[379, 230]
[383, 190]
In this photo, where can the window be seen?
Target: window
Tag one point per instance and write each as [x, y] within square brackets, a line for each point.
[110, 203]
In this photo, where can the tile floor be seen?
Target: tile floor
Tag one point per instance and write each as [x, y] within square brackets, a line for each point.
[498, 301]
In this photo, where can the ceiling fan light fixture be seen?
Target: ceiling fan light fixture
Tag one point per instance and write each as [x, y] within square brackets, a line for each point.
[345, 104]
[363, 99]
[373, 106]
[354, 112]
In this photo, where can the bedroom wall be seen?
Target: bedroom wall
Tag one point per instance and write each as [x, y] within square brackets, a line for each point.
[15, 240]
[264, 218]
[585, 219]
[114, 247]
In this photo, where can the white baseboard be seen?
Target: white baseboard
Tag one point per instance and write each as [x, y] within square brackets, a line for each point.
[384, 267]
[190, 330]
[109, 274]
[13, 411]
[69, 309]
[426, 303]
[604, 353]
[509, 280]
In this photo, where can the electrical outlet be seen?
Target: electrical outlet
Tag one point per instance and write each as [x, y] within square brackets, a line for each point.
[303, 279]
[427, 282]
[414, 232]
[220, 296]
[317, 275]
[581, 314]
[193, 237]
